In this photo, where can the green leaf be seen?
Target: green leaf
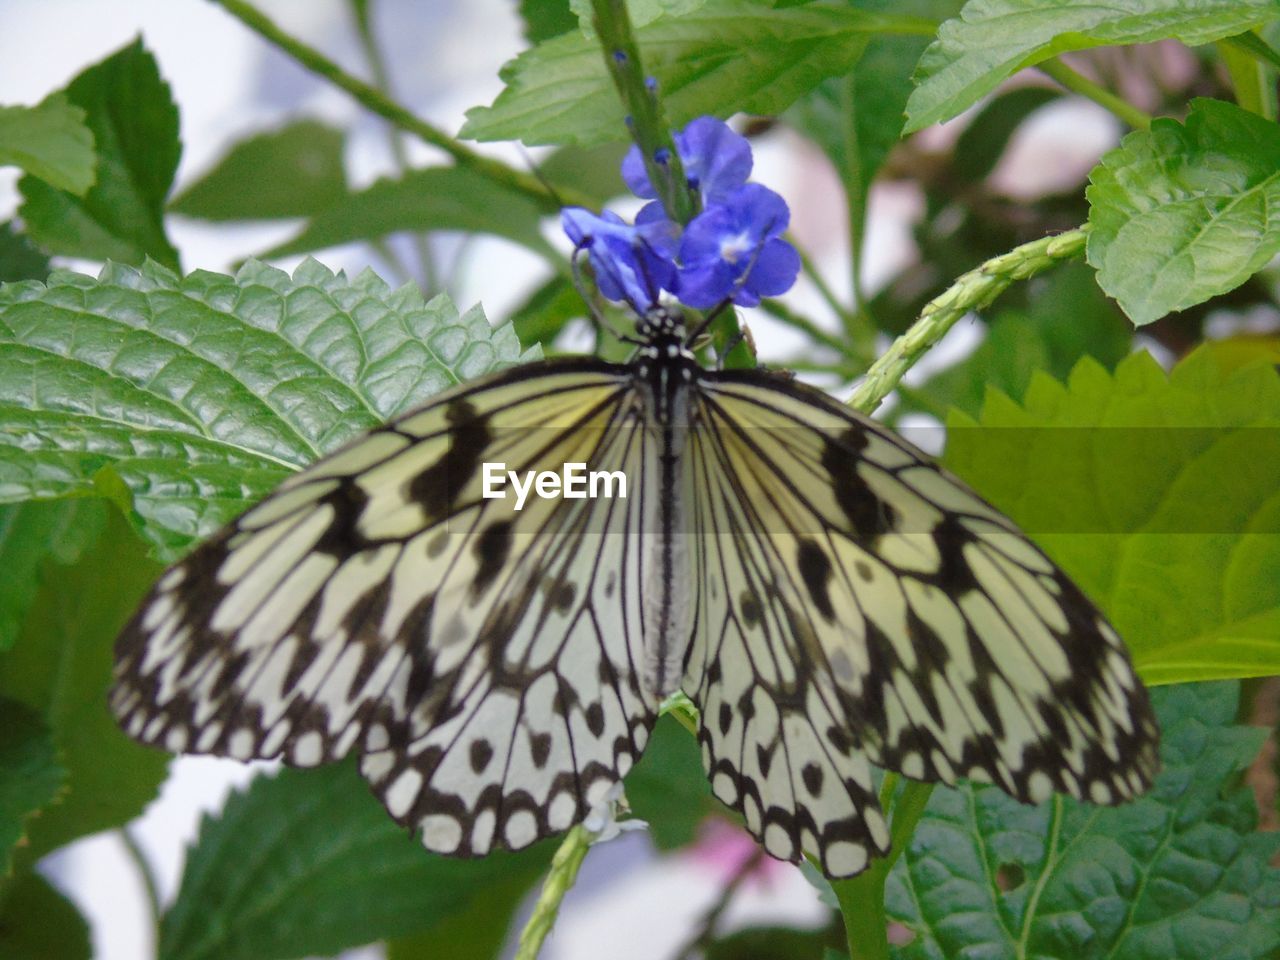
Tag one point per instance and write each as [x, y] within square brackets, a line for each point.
[292, 172]
[1181, 213]
[595, 172]
[758, 943]
[540, 319]
[640, 12]
[1068, 318]
[668, 788]
[477, 931]
[993, 39]
[307, 862]
[30, 775]
[61, 668]
[1179, 873]
[188, 399]
[39, 923]
[20, 259]
[544, 19]
[726, 56]
[437, 198]
[33, 535]
[49, 141]
[1156, 492]
[134, 122]
[983, 141]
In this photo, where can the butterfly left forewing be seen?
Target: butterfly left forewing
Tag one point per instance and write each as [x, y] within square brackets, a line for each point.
[953, 646]
[378, 600]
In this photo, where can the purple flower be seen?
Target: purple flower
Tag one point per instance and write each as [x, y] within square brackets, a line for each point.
[631, 263]
[732, 251]
[716, 161]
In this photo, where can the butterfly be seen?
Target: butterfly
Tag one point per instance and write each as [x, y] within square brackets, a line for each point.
[827, 596]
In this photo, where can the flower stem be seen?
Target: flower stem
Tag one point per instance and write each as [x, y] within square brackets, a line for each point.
[374, 100]
[149, 885]
[1078, 83]
[564, 870]
[973, 290]
[644, 108]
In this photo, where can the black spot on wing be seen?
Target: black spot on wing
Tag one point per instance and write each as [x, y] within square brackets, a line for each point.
[868, 515]
[437, 487]
[492, 548]
[815, 571]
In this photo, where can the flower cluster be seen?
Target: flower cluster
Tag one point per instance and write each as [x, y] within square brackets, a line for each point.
[732, 250]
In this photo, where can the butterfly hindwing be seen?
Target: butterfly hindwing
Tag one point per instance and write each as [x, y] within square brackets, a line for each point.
[890, 596]
[377, 600]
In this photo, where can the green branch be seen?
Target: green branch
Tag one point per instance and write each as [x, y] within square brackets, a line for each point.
[1079, 83]
[972, 291]
[374, 100]
[644, 108]
[564, 870]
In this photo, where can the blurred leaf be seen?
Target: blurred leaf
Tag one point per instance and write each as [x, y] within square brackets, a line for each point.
[307, 862]
[982, 143]
[1156, 492]
[1181, 213]
[993, 39]
[30, 775]
[727, 56]
[1179, 874]
[39, 923]
[292, 172]
[134, 122]
[544, 19]
[771, 943]
[186, 400]
[594, 172]
[33, 535]
[668, 787]
[20, 259]
[61, 667]
[477, 931]
[437, 198]
[640, 12]
[49, 141]
[1068, 318]
[539, 320]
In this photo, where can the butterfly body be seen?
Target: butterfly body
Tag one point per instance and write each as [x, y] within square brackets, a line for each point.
[826, 596]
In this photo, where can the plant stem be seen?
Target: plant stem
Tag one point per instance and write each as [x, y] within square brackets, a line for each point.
[149, 885]
[791, 318]
[382, 80]
[374, 100]
[972, 291]
[1256, 47]
[564, 870]
[1252, 76]
[1079, 83]
[644, 109]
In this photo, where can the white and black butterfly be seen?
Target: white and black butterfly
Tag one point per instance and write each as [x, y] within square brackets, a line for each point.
[827, 597]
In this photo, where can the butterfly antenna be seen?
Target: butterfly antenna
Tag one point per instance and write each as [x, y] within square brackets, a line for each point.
[596, 314]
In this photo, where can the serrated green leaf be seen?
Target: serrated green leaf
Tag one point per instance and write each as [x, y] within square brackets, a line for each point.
[61, 668]
[437, 198]
[189, 399]
[30, 775]
[477, 931]
[20, 259]
[49, 141]
[1157, 494]
[1178, 873]
[307, 862]
[295, 171]
[668, 788]
[33, 535]
[134, 121]
[39, 923]
[993, 39]
[1181, 213]
[727, 56]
